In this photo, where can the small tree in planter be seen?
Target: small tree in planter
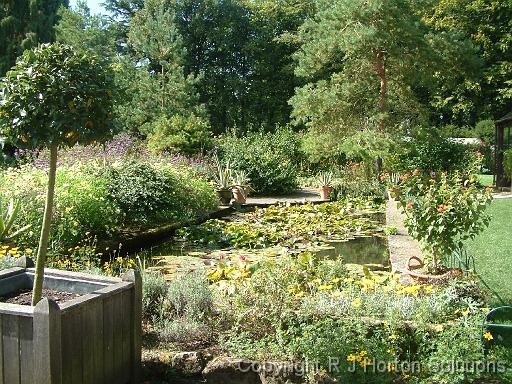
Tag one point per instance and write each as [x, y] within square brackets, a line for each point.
[443, 212]
[55, 96]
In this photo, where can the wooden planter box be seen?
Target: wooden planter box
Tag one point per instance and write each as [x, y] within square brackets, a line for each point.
[94, 338]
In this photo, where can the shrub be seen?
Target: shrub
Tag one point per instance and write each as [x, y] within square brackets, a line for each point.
[362, 329]
[157, 192]
[429, 152]
[442, 212]
[353, 182]
[271, 160]
[186, 314]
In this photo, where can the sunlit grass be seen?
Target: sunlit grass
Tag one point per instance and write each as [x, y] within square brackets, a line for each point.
[492, 251]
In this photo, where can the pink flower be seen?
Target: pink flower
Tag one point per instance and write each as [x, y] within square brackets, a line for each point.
[242, 257]
[222, 257]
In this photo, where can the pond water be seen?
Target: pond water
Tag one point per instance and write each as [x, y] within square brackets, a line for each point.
[329, 231]
[173, 257]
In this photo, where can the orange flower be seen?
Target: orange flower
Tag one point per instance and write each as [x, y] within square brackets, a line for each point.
[409, 206]
[479, 154]
[415, 172]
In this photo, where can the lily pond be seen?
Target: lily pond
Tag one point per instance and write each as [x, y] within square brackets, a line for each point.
[349, 231]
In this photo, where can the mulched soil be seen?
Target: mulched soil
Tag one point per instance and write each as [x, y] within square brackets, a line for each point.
[24, 296]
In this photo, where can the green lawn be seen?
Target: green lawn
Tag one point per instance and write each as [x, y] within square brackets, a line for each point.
[492, 251]
[485, 179]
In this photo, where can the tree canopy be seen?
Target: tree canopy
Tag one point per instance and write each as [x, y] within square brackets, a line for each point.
[23, 25]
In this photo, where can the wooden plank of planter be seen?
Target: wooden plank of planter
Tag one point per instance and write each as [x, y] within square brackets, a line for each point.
[72, 349]
[117, 341]
[92, 367]
[136, 324]
[28, 375]
[126, 346]
[108, 338]
[47, 342]
[11, 357]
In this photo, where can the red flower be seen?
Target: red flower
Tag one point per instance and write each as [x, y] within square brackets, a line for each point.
[415, 172]
[479, 154]
[409, 206]
[382, 178]
[242, 257]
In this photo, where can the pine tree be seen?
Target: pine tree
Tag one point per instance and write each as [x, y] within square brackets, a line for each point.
[23, 25]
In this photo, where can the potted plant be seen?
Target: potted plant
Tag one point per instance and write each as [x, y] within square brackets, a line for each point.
[222, 180]
[442, 213]
[242, 187]
[54, 96]
[7, 218]
[325, 181]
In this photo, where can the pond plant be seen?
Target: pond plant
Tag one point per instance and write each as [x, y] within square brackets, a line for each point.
[55, 95]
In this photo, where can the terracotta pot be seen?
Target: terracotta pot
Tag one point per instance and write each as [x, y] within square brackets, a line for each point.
[239, 196]
[324, 192]
[415, 263]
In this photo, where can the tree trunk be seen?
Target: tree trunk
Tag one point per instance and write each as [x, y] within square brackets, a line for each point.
[45, 229]
[380, 71]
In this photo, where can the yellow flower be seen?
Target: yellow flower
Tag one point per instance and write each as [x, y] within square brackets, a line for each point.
[485, 309]
[363, 353]
[386, 324]
[351, 357]
[336, 280]
[356, 303]
[28, 251]
[335, 294]
[465, 313]
[392, 336]
[388, 351]
[119, 259]
[488, 336]
[349, 280]
[324, 287]
[439, 328]
[358, 358]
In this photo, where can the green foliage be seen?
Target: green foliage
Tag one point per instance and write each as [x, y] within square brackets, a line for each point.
[7, 218]
[24, 24]
[313, 311]
[269, 159]
[147, 191]
[284, 226]
[485, 130]
[442, 213]
[81, 204]
[428, 152]
[356, 180]
[188, 307]
[56, 95]
[187, 135]
[507, 162]
[78, 28]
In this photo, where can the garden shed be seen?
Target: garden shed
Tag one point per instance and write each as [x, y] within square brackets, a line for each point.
[502, 143]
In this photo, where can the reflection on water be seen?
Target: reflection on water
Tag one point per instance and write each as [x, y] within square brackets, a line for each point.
[360, 250]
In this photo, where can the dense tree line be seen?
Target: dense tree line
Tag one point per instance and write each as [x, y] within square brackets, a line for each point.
[24, 24]
[339, 68]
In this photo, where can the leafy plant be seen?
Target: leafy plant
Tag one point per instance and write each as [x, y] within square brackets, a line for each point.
[325, 179]
[271, 160]
[7, 218]
[221, 174]
[442, 212]
[55, 95]
[507, 162]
